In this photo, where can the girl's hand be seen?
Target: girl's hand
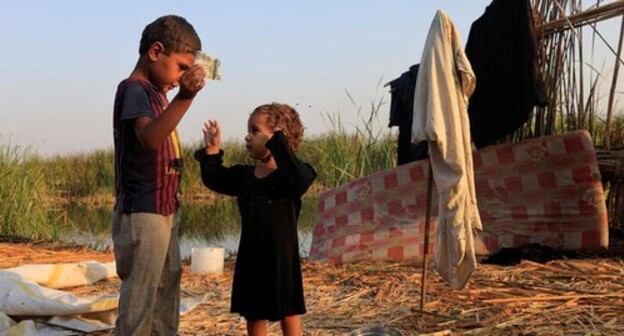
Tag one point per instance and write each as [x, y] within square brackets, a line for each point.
[212, 136]
[275, 129]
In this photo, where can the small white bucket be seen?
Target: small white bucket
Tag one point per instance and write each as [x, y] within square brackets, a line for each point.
[207, 260]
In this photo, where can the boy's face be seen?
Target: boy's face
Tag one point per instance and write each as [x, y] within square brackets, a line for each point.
[258, 133]
[166, 70]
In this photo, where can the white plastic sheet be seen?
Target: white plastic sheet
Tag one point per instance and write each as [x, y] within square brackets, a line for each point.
[22, 294]
[65, 275]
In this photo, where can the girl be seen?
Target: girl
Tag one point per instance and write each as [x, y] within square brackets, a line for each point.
[267, 275]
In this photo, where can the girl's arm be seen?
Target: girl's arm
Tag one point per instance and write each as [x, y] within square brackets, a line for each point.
[217, 177]
[214, 174]
[299, 174]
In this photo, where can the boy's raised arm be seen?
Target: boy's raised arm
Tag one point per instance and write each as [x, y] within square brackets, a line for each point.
[152, 132]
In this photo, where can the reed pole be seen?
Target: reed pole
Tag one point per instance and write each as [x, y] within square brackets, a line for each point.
[607, 137]
[423, 281]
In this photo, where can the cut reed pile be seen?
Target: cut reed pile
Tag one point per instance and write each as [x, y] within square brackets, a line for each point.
[558, 298]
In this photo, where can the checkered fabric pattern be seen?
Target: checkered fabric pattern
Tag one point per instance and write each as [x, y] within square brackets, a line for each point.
[544, 190]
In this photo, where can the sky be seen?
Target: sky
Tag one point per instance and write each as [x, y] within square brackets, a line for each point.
[62, 61]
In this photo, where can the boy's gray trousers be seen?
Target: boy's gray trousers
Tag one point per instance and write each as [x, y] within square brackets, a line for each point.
[147, 255]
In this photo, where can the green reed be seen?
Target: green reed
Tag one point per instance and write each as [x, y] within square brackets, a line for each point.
[343, 155]
[75, 192]
[26, 210]
[42, 196]
[82, 174]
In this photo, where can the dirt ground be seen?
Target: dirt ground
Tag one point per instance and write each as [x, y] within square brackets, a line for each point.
[561, 297]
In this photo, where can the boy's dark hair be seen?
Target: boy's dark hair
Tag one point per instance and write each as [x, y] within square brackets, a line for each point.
[174, 32]
[285, 118]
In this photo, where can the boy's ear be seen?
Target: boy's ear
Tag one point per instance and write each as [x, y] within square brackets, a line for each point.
[155, 50]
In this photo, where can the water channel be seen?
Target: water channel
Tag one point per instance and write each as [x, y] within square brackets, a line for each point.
[201, 225]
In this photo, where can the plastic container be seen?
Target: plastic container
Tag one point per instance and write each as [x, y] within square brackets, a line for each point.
[207, 260]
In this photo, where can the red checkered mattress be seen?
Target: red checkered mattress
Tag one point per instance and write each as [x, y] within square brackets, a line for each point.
[544, 190]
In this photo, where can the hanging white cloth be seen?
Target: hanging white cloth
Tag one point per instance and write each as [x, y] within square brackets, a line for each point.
[445, 82]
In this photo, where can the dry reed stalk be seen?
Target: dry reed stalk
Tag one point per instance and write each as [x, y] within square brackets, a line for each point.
[559, 297]
[580, 19]
[575, 101]
[562, 60]
[613, 86]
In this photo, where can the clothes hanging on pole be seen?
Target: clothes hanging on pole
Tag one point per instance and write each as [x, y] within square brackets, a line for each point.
[502, 49]
[401, 113]
[445, 82]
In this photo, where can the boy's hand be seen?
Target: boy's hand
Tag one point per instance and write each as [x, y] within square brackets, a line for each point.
[212, 136]
[192, 81]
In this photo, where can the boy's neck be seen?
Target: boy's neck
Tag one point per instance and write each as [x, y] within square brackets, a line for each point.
[141, 70]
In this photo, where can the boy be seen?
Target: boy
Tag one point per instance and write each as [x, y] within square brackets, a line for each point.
[147, 175]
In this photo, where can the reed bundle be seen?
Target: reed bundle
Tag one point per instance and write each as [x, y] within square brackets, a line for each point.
[611, 165]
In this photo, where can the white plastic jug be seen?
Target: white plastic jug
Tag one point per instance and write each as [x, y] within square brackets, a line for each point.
[207, 260]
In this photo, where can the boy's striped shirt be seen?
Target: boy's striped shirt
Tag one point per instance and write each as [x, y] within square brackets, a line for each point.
[145, 180]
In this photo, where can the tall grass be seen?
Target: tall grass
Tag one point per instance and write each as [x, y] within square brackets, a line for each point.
[25, 197]
[83, 174]
[341, 156]
[37, 193]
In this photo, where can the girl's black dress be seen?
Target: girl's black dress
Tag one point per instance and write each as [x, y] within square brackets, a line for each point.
[267, 276]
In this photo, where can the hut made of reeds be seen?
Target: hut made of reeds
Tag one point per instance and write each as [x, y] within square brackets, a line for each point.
[579, 52]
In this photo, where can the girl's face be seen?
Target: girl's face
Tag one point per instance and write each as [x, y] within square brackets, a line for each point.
[258, 133]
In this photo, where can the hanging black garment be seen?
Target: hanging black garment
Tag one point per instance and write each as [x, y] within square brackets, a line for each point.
[502, 50]
[401, 114]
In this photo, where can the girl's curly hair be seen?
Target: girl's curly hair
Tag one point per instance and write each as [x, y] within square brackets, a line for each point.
[286, 118]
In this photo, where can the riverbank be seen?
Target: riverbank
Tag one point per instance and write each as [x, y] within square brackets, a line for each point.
[561, 297]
